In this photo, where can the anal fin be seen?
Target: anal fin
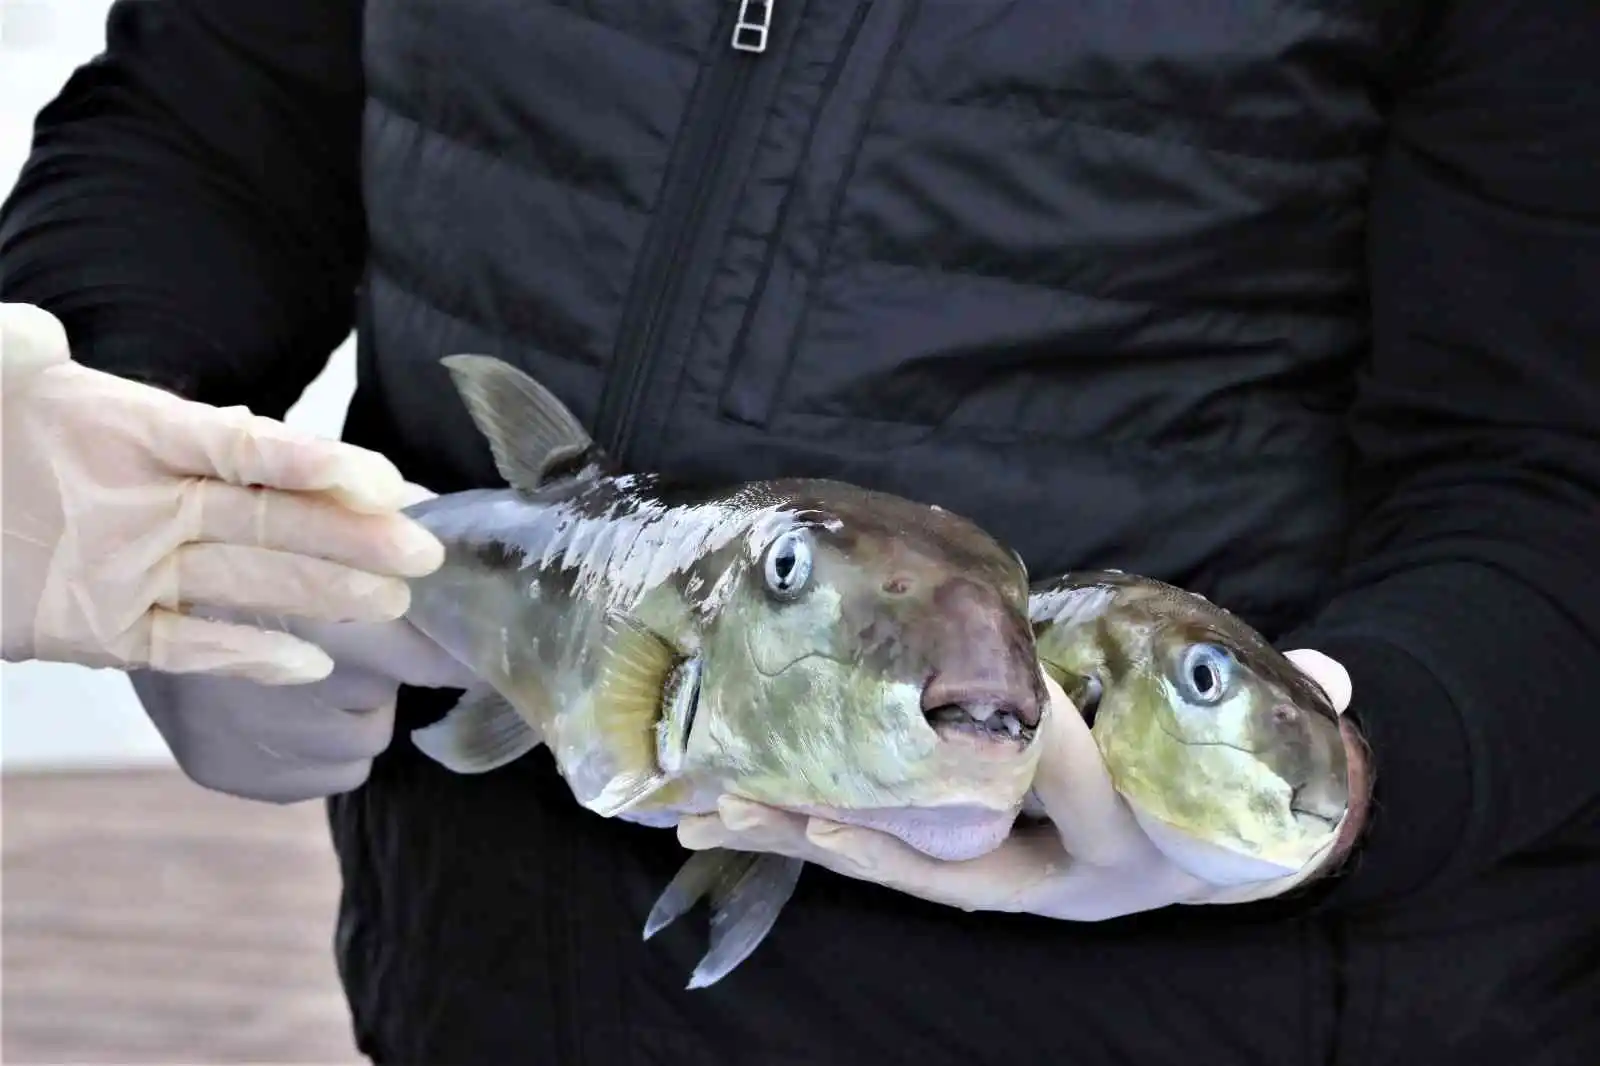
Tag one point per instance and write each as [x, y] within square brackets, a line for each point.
[694, 880]
[746, 890]
[482, 732]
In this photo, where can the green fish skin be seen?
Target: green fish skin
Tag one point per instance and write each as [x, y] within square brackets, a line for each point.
[1229, 755]
[805, 644]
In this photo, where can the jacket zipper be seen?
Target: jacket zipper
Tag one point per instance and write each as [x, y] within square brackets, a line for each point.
[751, 28]
[683, 207]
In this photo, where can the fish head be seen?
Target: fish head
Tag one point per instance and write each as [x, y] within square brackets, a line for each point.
[1212, 735]
[873, 663]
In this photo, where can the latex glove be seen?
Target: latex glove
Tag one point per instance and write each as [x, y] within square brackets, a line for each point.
[125, 505]
[286, 743]
[1091, 863]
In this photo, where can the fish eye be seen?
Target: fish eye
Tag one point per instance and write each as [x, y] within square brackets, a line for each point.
[1207, 673]
[788, 564]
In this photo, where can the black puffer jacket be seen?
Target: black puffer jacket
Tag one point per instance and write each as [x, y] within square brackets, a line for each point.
[1287, 301]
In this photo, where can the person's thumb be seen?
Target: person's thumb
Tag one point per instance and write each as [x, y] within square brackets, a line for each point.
[31, 340]
[1333, 678]
[1077, 792]
[411, 493]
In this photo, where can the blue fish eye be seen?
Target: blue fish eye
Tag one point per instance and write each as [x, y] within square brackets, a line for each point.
[788, 564]
[1206, 673]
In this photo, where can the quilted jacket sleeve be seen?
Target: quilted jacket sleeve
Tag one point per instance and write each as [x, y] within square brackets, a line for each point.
[191, 206]
[1469, 612]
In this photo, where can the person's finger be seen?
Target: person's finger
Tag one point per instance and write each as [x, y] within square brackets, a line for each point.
[298, 782]
[1004, 879]
[275, 582]
[233, 445]
[392, 652]
[311, 526]
[413, 493]
[31, 340]
[1328, 673]
[1028, 873]
[256, 727]
[1012, 877]
[176, 643]
[281, 781]
[1077, 793]
[745, 826]
[324, 733]
[394, 649]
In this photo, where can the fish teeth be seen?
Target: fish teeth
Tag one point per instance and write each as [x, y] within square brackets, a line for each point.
[991, 717]
[1004, 722]
[981, 712]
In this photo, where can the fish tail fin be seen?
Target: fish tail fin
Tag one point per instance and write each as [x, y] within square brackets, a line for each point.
[746, 892]
[534, 437]
[482, 732]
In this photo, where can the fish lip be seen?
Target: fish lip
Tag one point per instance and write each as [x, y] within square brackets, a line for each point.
[966, 728]
[970, 732]
[995, 696]
[1332, 821]
[1327, 820]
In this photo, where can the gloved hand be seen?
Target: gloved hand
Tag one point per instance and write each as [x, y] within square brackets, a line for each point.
[286, 743]
[125, 505]
[1091, 863]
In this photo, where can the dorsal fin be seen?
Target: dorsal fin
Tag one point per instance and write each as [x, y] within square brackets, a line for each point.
[534, 438]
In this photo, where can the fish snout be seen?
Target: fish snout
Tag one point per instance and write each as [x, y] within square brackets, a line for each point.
[1307, 751]
[985, 679]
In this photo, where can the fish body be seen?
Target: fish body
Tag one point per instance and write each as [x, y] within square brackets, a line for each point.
[802, 643]
[1228, 754]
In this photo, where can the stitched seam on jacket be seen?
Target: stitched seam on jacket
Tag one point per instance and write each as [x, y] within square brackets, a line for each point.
[458, 140]
[794, 426]
[817, 274]
[1250, 316]
[383, 270]
[687, 51]
[1244, 455]
[1020, 109]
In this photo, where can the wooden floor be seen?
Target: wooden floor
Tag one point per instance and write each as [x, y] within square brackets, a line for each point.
[146, 920]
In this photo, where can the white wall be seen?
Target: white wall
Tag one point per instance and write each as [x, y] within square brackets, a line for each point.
[65, 716]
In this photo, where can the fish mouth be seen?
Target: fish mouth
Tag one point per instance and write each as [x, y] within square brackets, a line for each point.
[981, 715]
[1323, 819]
[1328, 816]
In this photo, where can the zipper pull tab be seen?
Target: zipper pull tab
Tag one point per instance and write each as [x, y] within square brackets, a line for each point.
[755, 20]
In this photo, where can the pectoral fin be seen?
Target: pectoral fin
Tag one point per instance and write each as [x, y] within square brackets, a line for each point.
[642, 681]
[482, 732]
[746, 891]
